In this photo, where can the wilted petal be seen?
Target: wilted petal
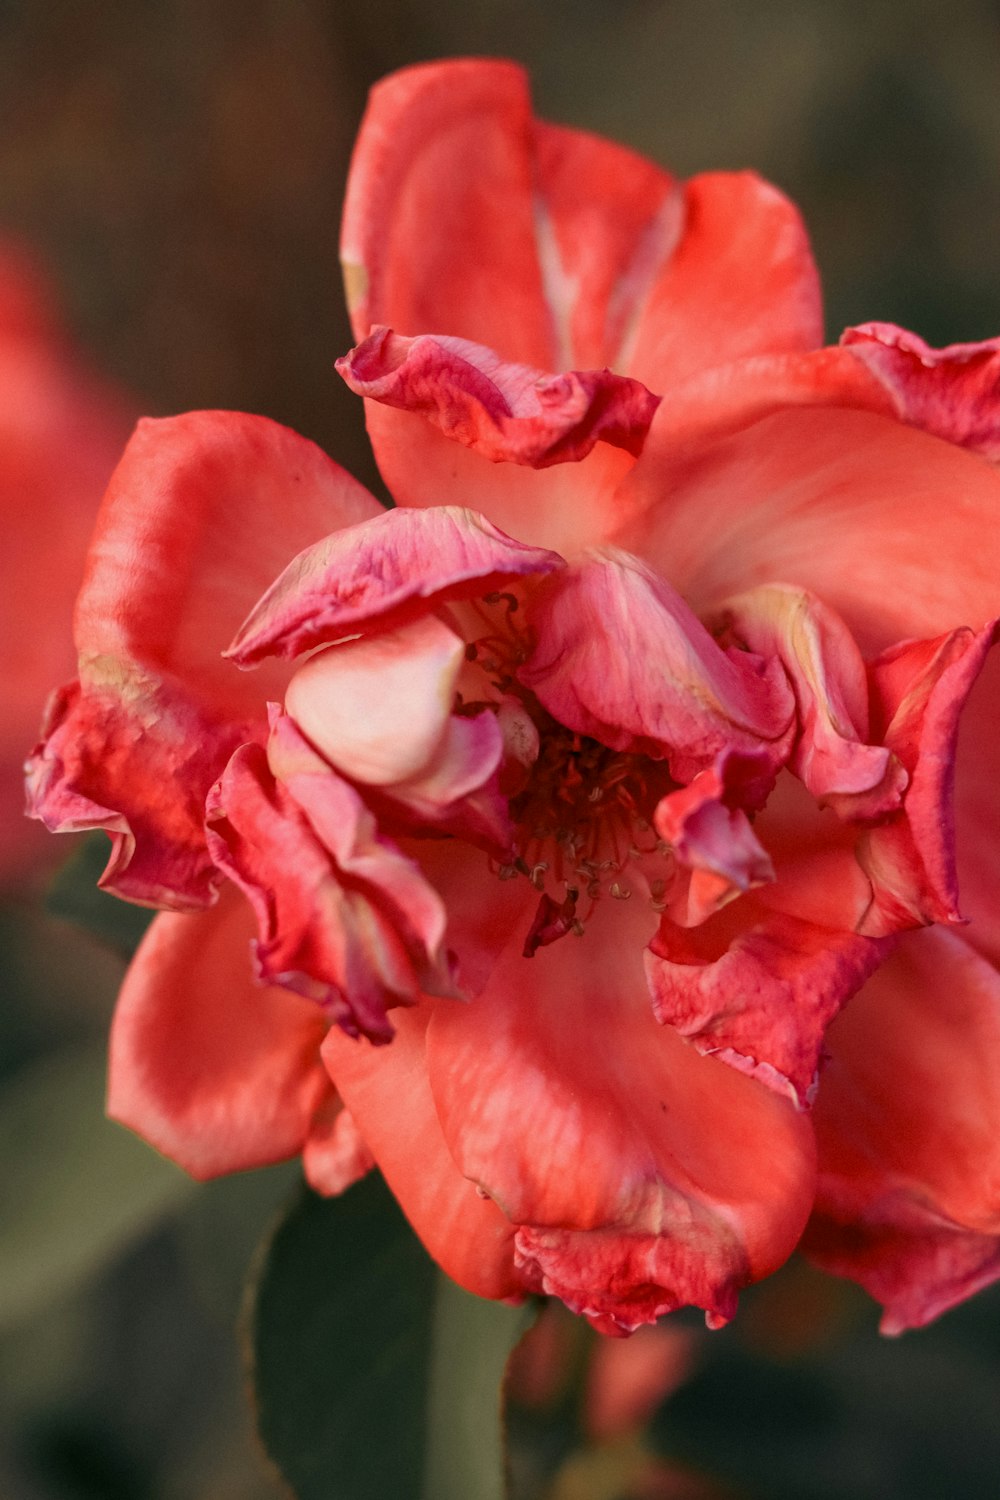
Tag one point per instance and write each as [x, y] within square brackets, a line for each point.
[201, 513]
[388, 1093]
[378, 574]
[591, 1137]
[214, 1070]
[344, 918]
[908, 1123]
[711, 838]
[759, 995]
[952, 392]
[920, 688]
[824, 664]
[622, 658]
[506, 412]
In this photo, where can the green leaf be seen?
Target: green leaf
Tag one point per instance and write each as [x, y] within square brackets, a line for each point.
[75, 895]
[75, 1188]
[372, 1378]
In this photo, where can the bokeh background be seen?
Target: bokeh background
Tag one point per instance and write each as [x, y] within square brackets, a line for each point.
[179, 168]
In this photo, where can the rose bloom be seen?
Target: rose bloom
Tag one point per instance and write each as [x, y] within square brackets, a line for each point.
[580, 848]
[61, 432]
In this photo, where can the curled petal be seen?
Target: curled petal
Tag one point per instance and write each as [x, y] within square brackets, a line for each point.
[388, 1093]
[507, 412]
[762, 1003]
[209, 1067]
[825, 667]
[626, 1206]
[908, 1124]
[622, 658]
[400, 563]
[201, 512]
[335, 1156]
[717, 853]
[919, 690]
[344, 918]
[953, 392]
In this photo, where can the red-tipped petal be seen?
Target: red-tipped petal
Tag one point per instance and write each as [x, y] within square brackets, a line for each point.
[508, 413]
[202, 511]
[908, 1123]
[212, 1069]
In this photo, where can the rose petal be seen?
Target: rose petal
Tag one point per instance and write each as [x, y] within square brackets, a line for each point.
[908, 1123]
[388, 1094]
[952, 392]
[620, 657]
[215, 1071]
[344, 918]
[379, 574]
[759, 995]
[920, 688]
[202, 511]
[592, 1137]
[506, 412]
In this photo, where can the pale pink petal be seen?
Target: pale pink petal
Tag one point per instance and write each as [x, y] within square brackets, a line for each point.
[920, 688]
[952, 392]
[343, 917]
[622, 658]
[759, 994]
[202, 511]
[787, 498]
[388, 1093]
[215, 1071]
[831, 690]
[506, 412]
[908, 1123]
[561, 1097]
[711, 838]
[398, 564]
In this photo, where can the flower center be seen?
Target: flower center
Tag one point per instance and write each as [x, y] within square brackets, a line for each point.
[583, 817]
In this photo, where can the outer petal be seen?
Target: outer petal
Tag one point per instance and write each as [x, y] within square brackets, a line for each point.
[920, 689]
[375, 575]
[557, 1094]
[210, 1068]
[908, 1121]
[762, 996]
[344, 917]
[506, 412]
[622, 658]
[202, 511]
[890, 527]
[953, 392]
[388, 1093]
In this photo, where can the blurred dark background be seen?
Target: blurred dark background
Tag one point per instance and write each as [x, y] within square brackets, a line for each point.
[179, 166]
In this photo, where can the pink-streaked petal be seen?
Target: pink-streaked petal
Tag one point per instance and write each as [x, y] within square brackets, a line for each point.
[908, 1124]
[761, 995]
[919, 690]
[209, 1067]
[622, 658]
[508, 413]
[201, 513]
[378, 706]
[376, 575]
[952, 392]
[824, 664]
[592, 1137]
[890, 527]
[389, 1096]
[710, 836]
[349, 923]
[740, 281]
